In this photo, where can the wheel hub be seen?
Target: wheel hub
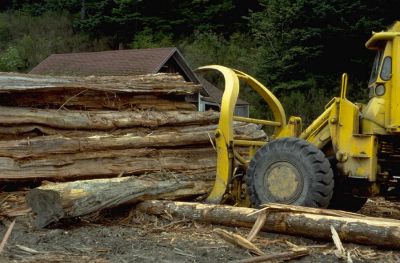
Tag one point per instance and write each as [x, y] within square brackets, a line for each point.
[283, 182]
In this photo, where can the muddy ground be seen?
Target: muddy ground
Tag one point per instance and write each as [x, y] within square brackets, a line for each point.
[125, 235]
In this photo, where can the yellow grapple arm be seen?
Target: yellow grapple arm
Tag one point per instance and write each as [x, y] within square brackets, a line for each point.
[224, 136]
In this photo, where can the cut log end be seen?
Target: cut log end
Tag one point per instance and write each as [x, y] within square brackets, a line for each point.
[46, 205]
[55, 201]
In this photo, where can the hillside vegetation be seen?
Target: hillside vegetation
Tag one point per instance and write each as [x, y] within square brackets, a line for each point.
[298, 48]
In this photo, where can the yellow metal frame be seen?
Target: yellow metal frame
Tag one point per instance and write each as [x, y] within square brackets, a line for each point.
[337, 130]
[225, 142]
[338, 124]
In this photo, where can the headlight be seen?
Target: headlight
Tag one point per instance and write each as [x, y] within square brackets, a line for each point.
[379, 90]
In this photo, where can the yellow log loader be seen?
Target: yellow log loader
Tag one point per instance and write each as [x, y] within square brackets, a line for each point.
[349, 153]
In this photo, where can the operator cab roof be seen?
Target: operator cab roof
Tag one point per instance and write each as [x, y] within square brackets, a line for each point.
[375, 42]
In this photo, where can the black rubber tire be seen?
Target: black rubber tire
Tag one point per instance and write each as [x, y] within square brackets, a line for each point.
[311, 164]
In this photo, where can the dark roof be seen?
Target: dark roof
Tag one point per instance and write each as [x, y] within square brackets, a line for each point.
[126, 62]
[115, 62]
[214, 93]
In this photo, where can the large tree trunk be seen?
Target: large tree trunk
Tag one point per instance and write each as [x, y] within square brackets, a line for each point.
[312, 223]
[47, 145]
[90, 154]
[162, 92]
[100, 164]
[95, 100]
[242, 131]
[103, 120]
[54, 201]
[145, 84]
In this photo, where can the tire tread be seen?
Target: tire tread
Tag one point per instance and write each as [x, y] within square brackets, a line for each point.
[322, 185]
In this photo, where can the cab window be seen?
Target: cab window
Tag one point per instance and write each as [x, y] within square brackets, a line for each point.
[375, 67]
[386, 72]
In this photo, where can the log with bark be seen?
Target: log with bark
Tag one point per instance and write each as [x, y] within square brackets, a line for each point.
[71, 128]
[94, 100]
[55, 201]
[111, 163]
[161, 83]
[103, 120]
[356, 229]
[47, 145]
[161, 92]
[103, 155]
[243, 131]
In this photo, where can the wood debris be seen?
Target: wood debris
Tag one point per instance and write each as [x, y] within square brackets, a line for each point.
[340, 252]
[6, 236]
[27, 249]
[238, 240]
[260, 221]
[380, 207]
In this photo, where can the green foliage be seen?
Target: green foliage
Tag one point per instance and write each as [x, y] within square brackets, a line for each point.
[292, 36]
[35, 38]
[313, 41]
[148, 39]
[122, 19]
[40, 7]
[10, 60]
[235, 52]
[212, 48]
[298, 48]
[5, 34]
[308, 105]
[309, 43]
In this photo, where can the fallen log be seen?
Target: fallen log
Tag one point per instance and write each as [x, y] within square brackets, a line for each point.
[55, 201]
[367, 230]
[103, 120]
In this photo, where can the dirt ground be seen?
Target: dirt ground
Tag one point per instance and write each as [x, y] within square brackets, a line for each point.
[125, 235]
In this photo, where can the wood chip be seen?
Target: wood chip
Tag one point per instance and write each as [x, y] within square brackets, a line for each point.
[261, 218]
[27, 249]
[238, 240]
[340, 252]
[6, 236]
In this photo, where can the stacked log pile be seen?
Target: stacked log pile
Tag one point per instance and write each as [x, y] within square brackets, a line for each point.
[67, 129]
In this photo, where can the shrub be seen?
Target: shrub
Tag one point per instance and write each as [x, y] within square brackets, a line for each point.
[10, 60]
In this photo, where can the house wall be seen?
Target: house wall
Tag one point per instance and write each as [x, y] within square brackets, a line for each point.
[171, 66]
[240, 110]
[200, 103]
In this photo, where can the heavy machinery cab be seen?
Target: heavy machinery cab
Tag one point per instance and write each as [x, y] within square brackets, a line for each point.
[381, 116]
[382, 113]
[351, 151]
